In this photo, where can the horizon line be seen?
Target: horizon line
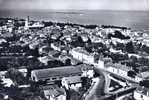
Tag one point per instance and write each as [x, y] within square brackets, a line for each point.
[70, 10]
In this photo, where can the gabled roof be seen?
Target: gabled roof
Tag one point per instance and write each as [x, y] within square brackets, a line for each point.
[44, 74]
[54, 91]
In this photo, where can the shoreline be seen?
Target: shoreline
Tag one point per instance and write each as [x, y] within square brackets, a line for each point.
[68, 23]
[136, 20]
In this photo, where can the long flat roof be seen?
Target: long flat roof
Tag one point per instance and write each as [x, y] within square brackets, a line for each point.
[43, 74]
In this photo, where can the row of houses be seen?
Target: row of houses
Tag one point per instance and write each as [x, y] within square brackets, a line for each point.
[141, 93]
[116, 69]
[121, 70]
[126, 72]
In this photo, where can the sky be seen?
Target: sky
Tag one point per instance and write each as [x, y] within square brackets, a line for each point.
[75, 4]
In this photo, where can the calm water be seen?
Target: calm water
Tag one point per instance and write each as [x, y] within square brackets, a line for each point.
[134, 19]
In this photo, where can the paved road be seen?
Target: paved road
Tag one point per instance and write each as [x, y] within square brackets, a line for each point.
[98, 89]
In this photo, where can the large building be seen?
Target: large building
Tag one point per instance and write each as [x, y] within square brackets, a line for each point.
[123, 71]
[82, 55]
[54, 74]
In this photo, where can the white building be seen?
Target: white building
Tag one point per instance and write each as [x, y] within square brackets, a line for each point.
[122, 71]
[82, 55]
[45, 59]
[87, 70]
[23, 71]
[119, 40]
[7, 81]
[56, 46]
[53, 92]
[100, 64]
[2, 74]
[2, 41]
[84, 37]
[72, 82]
[141, 93]
[142, 76]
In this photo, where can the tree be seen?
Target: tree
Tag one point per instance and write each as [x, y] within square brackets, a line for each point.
[145, 48]
[68, 62]
[119, 35]
[35, 52]
[144, 83]
[129, 47]
[16, 76]
[1, 84]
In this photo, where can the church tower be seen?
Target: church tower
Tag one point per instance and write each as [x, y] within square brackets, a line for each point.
[27, 22]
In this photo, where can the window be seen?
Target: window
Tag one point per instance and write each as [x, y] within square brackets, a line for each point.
[54, 78]
[33, 78]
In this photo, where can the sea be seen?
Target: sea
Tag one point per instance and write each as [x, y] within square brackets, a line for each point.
[136, 20]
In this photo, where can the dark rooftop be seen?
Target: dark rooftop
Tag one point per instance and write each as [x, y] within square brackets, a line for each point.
[44, 74]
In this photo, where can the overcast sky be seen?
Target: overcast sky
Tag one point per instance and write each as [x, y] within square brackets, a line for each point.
[75, 4]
